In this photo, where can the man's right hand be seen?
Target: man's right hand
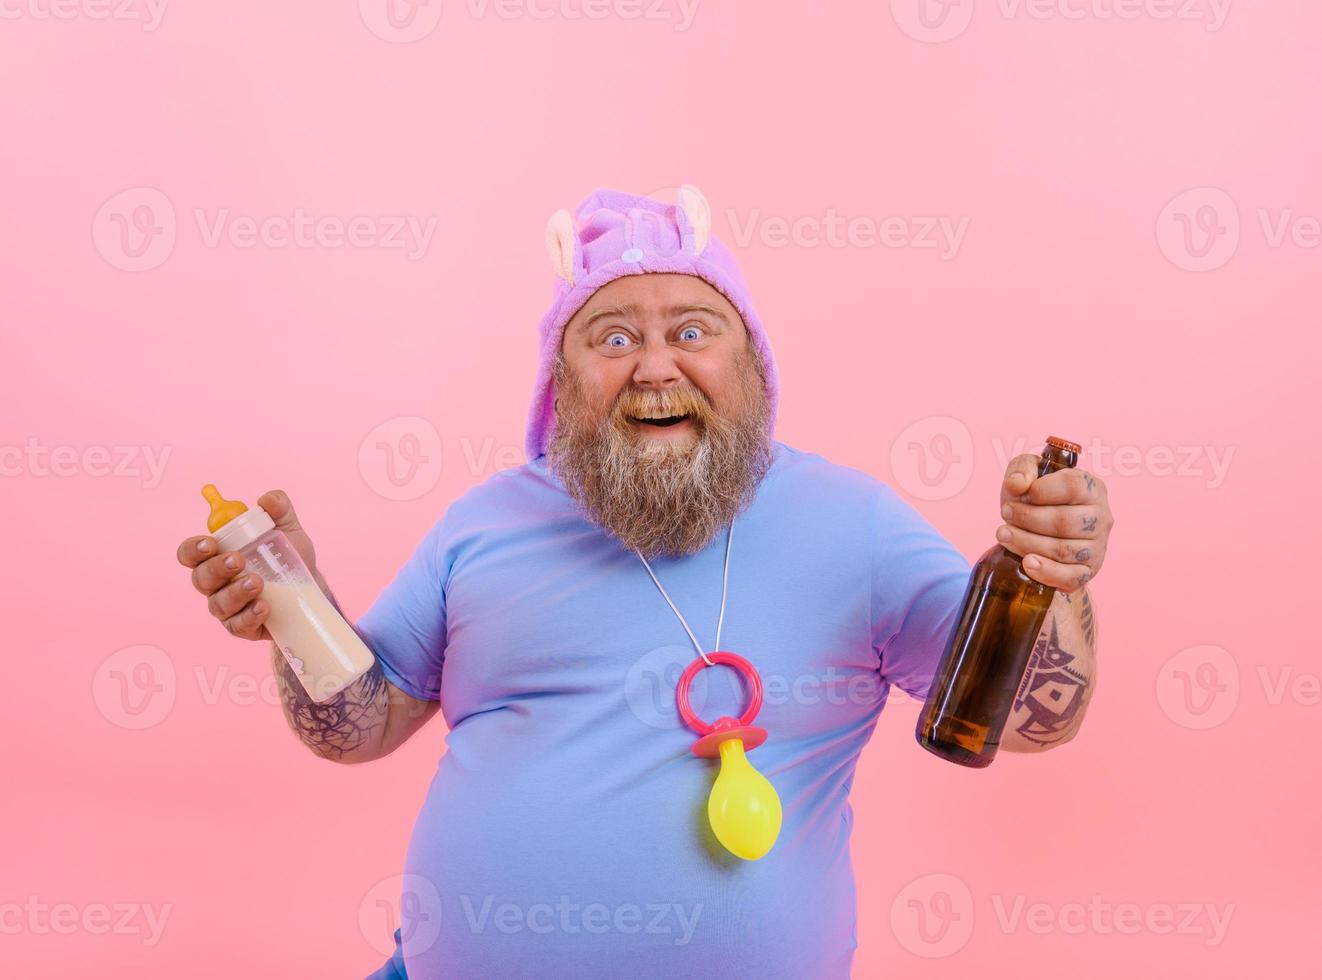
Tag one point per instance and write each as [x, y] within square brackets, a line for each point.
[233, 594]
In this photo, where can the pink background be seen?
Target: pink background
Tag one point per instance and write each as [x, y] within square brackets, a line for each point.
[1077, 303]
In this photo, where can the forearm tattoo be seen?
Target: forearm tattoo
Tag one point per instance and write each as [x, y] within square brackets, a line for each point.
[346, 724]
[1053, 692]
[1086, 618]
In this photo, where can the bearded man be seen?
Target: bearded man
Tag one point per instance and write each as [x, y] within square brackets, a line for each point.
[550, 612]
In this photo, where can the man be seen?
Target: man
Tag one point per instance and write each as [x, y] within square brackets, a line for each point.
[550, 611]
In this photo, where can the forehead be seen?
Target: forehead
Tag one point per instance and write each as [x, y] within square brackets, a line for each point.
[652, 294]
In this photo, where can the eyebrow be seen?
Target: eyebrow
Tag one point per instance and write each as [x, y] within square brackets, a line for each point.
[629, 309]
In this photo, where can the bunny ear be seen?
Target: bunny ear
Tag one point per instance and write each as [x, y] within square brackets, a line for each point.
[699, 214]
[560, 242]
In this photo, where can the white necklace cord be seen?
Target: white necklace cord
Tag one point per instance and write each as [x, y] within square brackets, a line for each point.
[725, 580]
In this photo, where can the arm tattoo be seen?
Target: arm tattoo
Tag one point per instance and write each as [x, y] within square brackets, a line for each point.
[1089, 621]
[1052, 692]
[347, 723]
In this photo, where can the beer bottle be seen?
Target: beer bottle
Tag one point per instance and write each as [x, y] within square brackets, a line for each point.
[988, 649]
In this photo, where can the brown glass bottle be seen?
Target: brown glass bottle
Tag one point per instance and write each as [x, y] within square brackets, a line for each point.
[988, 650]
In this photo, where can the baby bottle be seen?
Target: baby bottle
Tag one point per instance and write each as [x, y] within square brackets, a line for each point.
[324, 652]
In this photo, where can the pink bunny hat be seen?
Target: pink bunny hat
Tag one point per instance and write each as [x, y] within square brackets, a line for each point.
[614, 234]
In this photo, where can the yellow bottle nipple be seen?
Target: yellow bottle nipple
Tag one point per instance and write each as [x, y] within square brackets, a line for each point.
[222, 511]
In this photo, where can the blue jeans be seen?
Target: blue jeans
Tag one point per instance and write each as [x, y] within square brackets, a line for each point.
[394, 967]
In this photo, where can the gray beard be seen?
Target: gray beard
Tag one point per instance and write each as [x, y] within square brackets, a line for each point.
[654, 495]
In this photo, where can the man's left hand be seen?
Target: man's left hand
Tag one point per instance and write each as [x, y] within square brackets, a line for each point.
[1058, 523]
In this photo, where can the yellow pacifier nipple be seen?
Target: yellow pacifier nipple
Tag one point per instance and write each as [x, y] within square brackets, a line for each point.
[222, 511]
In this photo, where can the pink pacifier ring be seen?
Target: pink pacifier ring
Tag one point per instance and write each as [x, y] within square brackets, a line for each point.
[725, 728]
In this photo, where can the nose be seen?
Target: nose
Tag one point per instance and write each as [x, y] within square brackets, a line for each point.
[657, 369]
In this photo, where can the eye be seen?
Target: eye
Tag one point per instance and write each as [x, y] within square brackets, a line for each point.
[692, 328]
[611, 337]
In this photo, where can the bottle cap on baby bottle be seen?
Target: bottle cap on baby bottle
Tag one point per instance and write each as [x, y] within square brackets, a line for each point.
[233, 524]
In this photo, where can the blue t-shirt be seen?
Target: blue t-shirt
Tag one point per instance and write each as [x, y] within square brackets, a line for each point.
[565, 830]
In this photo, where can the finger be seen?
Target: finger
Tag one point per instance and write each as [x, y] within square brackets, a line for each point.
[1054, 521]
[230, 600]
[216, 572]
[248, 624]
[281, 508]
[195, 550]
[1066, 578]
[1069, 486]
[1019, 475]
[1067, 551]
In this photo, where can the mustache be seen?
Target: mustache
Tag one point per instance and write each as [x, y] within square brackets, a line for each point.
[678, 401]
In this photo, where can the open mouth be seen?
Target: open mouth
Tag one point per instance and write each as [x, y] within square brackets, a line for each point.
[662, 422]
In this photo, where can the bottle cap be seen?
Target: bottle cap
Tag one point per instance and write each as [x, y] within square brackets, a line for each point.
[1065, 444]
